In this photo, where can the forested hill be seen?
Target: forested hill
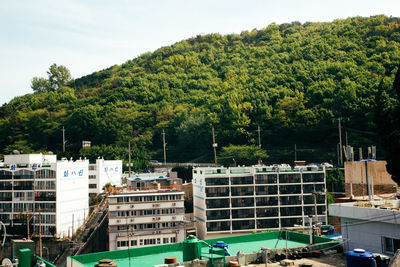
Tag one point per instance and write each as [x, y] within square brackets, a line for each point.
[293, 80]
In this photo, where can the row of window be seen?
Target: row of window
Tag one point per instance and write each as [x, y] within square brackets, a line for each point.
[217, 203]
[263, 190]
[272, 178]
[145, 242]
[148, 198]
[250, 224]
[145, 212]
[263, 212]
[21, 207]
[144, 226]
[27, 174]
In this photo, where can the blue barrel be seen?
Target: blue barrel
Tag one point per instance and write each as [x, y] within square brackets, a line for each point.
[359, 258]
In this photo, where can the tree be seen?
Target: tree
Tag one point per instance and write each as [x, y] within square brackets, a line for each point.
[241, 155]
[40, 85]
[387, 120]
[57, 76]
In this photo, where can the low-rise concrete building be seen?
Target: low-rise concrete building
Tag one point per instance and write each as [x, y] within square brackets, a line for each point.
[374, 227]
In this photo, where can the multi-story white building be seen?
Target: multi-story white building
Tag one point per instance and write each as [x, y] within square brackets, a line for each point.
[146, 217]
[103, 172]
[39, 185]
[245, 199]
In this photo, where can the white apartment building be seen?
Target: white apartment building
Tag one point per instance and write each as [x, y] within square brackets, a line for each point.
[375, 228]
[103, 172]
[39, 185]
[144, 218]
[245, 199]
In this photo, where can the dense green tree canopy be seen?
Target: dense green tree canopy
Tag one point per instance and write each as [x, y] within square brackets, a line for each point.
[293, 80]
[387, 119]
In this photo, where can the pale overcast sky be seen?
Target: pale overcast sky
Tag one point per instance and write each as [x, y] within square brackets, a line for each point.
[90, 35]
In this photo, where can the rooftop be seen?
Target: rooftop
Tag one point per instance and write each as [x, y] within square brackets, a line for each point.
[154, 255]
[379, 211]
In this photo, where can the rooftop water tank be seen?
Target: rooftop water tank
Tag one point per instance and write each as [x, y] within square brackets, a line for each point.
[359, 257]
[191, 248]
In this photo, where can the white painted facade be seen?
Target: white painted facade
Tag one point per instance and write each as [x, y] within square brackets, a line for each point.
[103, 172]
[36, 183]
[374, 229]
[144, 218]
[237, 200]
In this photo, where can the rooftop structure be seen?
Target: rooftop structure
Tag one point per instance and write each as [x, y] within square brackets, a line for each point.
[143, 181]
[248, 244]
[54, 192]
[244, 199]
[368, 177]
[373, 226]
[144, 215]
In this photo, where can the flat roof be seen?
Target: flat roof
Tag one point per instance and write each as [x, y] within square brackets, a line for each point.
[147, 193]
[155, 255]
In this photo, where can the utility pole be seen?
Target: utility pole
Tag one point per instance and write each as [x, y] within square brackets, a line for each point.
[63, 131]
[259, 142]
[215, 148]
[314, 193]
[259, 137]
[340, 142]
[295, 152]
[28, 218]
[40, 235]
[129, 158]
[164, 145]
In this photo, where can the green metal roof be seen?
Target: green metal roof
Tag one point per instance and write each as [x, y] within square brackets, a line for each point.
[154, 255]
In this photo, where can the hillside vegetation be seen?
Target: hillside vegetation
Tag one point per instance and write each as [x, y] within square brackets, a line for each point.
[293, 80]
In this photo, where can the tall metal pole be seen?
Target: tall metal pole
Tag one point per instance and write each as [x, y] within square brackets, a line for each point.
[129, 158]
[315, 207]
[259, 142]
[340, 141]
[215, 148]
[295, 152]
[40, 235]
[164, 145]
[63, 144]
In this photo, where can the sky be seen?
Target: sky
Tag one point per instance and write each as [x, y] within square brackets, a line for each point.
[91, 35]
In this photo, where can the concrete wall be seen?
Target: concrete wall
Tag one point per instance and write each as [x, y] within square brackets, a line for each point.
[355, 174]
[367, 234]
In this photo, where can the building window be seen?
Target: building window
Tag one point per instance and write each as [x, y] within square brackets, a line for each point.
[93, 186]
[165, 240]
[390, 245]
[45, 174]
[91, 176]
[173, 239]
